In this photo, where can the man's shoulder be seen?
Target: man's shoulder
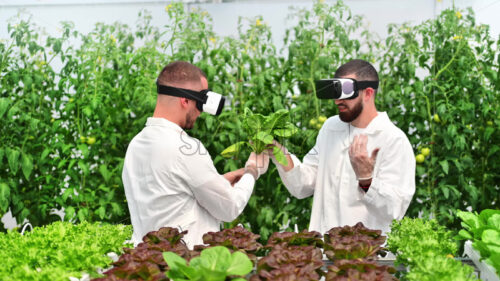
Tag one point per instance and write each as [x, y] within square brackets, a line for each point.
[334, 123]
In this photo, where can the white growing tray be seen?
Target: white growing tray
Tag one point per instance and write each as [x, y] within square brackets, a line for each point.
[486, 271]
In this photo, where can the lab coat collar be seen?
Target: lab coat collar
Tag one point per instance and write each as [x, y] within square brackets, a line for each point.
[376, 125]
[162, 122]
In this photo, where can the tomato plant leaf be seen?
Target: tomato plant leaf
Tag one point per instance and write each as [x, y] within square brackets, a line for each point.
[103, 169]
[444, 165]
[27, 165]
[4, 197]
[12, 158]
[4, 104]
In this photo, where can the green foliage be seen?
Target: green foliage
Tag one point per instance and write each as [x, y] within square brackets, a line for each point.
[427, 248]
[440, 85]
[213, 264]
[60, 250]
[64, 130]
[484, 231]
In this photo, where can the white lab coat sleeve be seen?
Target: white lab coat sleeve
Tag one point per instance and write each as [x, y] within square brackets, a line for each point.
[301, 179]
[212, 191]
[393, 184]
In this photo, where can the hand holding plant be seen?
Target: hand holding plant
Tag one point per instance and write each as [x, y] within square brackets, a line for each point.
[259, 162]
[276, 146]
[234, 176]
[261, 131]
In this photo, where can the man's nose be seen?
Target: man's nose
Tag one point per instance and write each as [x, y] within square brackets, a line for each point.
[337, 102]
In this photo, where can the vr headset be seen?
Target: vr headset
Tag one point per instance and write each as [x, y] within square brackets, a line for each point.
[206, 100]
[342, 88]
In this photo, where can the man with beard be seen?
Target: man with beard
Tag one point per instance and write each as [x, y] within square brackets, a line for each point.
[169, 177]
[362, 168]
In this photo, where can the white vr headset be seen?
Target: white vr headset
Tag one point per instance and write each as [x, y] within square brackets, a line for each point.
[206, 100]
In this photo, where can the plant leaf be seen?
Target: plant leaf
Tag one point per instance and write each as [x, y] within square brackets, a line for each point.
[232, 149]
[444, 165]
[264, 137]
[4, 197]
[216, 258]
[280, 156]
[240, 264]
[27, 165]
[491, 236]
[494, 221]
[4, 104]
[287, 131]
[12, 158]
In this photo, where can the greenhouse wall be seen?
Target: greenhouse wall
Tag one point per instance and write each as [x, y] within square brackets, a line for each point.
[378, 13]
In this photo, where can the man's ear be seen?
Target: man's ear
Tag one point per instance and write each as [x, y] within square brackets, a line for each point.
[184, 102]
[369, 93]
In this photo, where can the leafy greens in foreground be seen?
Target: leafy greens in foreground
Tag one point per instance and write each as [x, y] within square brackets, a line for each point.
[484, 231]
[60, 250]
[213, 264]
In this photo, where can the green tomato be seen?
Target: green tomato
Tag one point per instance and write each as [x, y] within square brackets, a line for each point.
[420, 158]
[322, 119]
[313, 122]
[489, 123]
[425, 151]
[436, 118]
[318, 126]
[91, 140]
[83, 139]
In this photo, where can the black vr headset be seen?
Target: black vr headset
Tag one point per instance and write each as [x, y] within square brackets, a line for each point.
[342, 88]
[206, 100]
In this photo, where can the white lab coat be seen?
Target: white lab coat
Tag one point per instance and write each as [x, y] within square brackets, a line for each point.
[326, 173]
[170, 180]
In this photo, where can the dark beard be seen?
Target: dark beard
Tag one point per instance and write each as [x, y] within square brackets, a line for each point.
[351, 114]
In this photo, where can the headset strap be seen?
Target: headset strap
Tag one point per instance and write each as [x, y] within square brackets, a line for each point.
[367, 84]
[182, 93]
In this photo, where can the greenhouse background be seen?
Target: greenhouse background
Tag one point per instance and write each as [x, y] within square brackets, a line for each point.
[377, 14]
[77, 82]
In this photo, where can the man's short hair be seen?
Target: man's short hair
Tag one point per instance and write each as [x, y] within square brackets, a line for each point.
[363, 70]
[180, 72]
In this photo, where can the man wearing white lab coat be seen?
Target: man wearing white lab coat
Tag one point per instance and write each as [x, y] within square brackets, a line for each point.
[169, 177]
[362, 167]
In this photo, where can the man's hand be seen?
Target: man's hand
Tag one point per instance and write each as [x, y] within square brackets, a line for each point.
[361, 163]
[257, 164]
[234, 176]
[277, 145]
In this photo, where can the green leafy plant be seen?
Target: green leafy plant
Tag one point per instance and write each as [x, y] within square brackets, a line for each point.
[484, 231]
[213, 264]
[262, 130]
[427, 248]
[60, 250]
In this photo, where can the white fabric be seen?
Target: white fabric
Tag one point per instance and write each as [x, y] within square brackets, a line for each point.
[170, 180]
[326, 173]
